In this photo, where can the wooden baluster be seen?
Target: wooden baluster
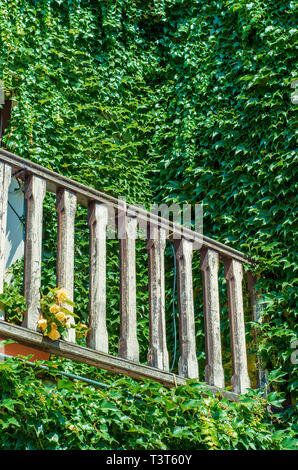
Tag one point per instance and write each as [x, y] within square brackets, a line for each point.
[234, 274]
[35, 190]
[256, 311]
[128, 344]
[5, 178]
[158, 354]
[214, 373]
[188, 364]
[66, 204]
[97, 335]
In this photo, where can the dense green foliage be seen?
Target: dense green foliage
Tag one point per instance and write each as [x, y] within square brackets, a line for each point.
[176, 101]
[41, 410]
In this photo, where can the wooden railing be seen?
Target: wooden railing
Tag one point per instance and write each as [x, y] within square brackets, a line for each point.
[69, 193]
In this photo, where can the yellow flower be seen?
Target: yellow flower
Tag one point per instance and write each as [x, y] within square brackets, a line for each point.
[60, 317]
[42, 324]
[62, 295]
[54, 326]
[55, 308]
[54, 335]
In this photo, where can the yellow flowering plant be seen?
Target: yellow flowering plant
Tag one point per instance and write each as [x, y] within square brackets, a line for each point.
[56, 318]
[81, 330]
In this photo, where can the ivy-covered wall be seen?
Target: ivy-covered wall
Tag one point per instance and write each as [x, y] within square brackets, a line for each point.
[167, 101]
[41, 410]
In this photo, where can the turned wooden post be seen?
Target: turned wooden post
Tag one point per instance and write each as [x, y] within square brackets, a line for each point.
[234, 273]
[256, 311]
[66, 205]
[5, 178]
[214, 373]
[158, 354]
[97, 335]
[128, 344]
[188, 364]
[35, 190]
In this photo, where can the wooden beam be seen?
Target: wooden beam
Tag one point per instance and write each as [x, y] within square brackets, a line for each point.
[188, 363]
[35, 190]
[234, 274]
[97, 335]
[5, 178]
[158, 355]
[66, 205]
[128, 343]
[256, 313]
[98, 359]
[214, 373]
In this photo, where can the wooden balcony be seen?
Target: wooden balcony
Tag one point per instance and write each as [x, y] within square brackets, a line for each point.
[69, 193]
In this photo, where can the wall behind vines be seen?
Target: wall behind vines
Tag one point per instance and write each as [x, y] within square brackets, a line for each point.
[181, 101]
[41, 411]
[226, 136]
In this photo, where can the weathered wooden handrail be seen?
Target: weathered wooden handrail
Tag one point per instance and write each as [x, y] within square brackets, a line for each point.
[69, 193]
